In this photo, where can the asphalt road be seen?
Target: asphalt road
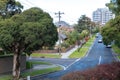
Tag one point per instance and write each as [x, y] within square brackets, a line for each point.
[97, 55]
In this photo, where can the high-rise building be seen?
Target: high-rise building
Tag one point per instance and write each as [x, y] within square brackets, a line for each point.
[102, 15]
[113, 1]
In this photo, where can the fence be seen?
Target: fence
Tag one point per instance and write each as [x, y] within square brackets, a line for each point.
[55, 50]
[6, 64]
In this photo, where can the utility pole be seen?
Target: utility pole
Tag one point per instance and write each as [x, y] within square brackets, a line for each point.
[59, 17]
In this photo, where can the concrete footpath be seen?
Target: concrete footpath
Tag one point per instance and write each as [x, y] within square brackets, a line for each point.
[68, 53]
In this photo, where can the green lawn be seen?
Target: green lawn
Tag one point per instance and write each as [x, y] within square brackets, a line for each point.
[82, 51]
[46, 55]
[38, 72]
[32, 73]
[6, 77]
[35, 72]
[116, 50]
[29, 64]
[40, 63]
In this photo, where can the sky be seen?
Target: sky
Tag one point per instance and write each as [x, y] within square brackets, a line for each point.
[72, 9]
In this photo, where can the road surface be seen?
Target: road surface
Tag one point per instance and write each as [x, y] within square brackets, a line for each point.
[97, 55]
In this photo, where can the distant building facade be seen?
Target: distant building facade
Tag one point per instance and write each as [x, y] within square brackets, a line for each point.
[102, 15]
[113, 1]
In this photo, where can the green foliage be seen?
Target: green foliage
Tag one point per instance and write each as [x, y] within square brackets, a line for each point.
[29, 65]
[84, 23]
[114, 7]
[25, 34]
[111, 31]
[116, 50]
[66, 45]
[84, 33]
[112, 28]
[72, 38]
[3, 4]
[83, 50]
[9, 8]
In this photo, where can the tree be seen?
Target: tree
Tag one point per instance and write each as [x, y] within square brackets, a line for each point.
[84, 23]
[72, 38]
[114, 7]
[111, 31]
[26, 32]
[9, 7]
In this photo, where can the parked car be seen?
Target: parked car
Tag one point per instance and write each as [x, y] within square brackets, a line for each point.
[109, 46]
[100, 41]
[97, 35]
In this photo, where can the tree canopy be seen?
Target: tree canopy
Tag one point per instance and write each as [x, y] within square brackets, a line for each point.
[10, 7]
[114, 6]
[111, 31]
[31, 30]
[26, 32]
[83, 23]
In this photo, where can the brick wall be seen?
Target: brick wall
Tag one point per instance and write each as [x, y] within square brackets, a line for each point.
[6, 64]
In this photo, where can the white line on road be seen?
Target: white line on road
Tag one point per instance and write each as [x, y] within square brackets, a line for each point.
[73, 63]
[64, 68]
[99, 60]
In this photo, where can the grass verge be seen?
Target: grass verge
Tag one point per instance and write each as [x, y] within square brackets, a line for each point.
[83, 50]
[116, 50]
[29, 64]
[44, 71]
[6, 77]
[46, 55]
[32, 73]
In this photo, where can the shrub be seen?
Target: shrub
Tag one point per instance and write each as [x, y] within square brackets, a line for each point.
[101, 72]
[29, 65]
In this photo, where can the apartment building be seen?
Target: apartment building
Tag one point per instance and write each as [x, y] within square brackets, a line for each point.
[102, 15]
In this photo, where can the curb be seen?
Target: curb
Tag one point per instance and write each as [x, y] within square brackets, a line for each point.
[115, 55]
[30, 77]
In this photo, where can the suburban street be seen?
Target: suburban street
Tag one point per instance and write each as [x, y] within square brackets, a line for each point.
[97, 55]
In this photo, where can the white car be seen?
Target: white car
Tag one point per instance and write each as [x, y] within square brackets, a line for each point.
[100, 41]
[109, 46]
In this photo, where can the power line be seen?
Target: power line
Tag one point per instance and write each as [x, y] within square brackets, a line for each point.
[30, 3]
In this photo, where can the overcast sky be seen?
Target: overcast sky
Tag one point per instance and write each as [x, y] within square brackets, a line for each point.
[72, 9]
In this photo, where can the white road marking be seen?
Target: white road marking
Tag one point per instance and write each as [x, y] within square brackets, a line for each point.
[64, 68]
[99, 60]
[72, 63]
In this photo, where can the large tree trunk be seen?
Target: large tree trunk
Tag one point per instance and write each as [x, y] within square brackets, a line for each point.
[16, 66]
